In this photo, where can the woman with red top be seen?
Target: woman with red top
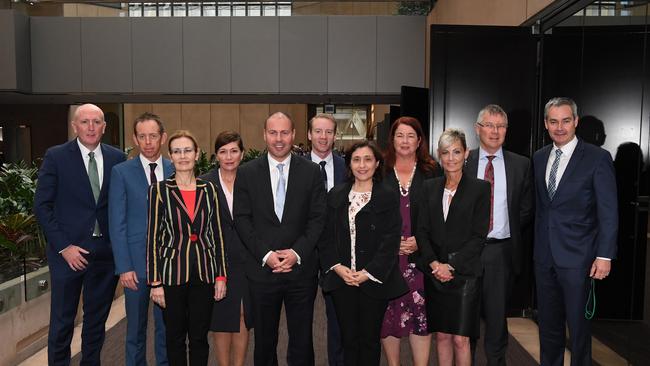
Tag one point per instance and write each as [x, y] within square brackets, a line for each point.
[186, 260]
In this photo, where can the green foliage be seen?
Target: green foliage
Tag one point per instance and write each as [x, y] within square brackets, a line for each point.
[20, 235]
[203, 164]
[251, 154]
[414, 7]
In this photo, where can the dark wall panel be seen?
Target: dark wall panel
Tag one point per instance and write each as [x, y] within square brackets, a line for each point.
[106, 55]
[206, 55]
[255, 55]
[303, 54]
[157, 60]
[56, 55]
[400, 53]
[352, 54]
[8, 77]
[23, 53]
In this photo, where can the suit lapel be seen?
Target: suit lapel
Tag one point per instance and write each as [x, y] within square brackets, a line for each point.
[265, 181]
[472, 163]
[138, 171]
[437, 213]
[75, 156]
[510, 184]
[222, 198]
[292, 183]
[168, 168]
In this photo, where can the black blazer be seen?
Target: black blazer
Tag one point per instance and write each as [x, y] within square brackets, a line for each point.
[520, 197]
[234, 247]
[415, 192]
[459, 240]
[302, 222]
[378, 226]
[171, 235]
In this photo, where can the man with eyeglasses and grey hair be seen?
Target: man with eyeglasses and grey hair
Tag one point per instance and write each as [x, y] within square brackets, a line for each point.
[576, 226]
[511, 202]
[127, 216]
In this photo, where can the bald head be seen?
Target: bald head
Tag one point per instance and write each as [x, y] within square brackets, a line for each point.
[87, 108]
[89, 125]
[278, 115]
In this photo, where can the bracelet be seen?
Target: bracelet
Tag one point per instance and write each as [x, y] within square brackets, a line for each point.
[156, 285]
[221, 279]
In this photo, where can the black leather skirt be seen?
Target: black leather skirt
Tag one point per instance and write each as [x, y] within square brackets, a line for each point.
[454, 307]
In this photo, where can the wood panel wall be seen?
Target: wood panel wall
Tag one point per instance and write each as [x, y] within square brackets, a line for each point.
[206, 121]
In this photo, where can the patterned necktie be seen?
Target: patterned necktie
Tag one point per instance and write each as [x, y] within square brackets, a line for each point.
[323, 172]
[489, 176]
[152, 176]
[552, 185]
[280, 192]
[93, 175]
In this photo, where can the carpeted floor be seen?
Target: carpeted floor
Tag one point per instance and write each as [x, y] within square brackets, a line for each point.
[113, 351]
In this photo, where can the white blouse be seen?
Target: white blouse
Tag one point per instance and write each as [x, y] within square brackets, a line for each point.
[446, 201]
[357, 201]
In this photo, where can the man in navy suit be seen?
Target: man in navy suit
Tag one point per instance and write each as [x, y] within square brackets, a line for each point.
[71, 205]
[322, 132]
[576, 224]
[279, 210]
[127, 220]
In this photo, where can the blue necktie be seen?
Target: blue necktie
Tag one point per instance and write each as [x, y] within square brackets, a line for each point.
[552, 185]
[280, 193]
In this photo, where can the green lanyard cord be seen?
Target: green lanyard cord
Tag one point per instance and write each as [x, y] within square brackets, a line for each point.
[591, 298]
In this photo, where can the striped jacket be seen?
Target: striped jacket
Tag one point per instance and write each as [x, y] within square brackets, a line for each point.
[171, 235]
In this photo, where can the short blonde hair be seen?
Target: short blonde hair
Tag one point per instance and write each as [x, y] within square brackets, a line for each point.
[451, 135]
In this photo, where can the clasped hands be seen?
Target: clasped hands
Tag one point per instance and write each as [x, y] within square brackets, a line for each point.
[407, 245]
[282, 260]
[350, 277]
[441, 271]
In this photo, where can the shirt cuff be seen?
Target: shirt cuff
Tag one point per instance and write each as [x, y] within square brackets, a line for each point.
[332, 267]
[221, 278]
[371, 277]
[64, 249]
[297, 256]
[266, 257]
[603, 258]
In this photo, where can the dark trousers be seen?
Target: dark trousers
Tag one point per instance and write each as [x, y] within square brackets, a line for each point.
[298, 299]
[561, 298]
[136, 304]
[360, 318]
[497, 287]
[334, 345]
[187, 316]
[98, 282]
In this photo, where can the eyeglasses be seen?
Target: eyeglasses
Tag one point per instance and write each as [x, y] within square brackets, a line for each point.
[151, 136]
[179, 151]
[492, 126]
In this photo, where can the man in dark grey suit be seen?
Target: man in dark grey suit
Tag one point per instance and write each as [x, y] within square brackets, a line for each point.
[511, 209]
[279, 210]
[321, 132]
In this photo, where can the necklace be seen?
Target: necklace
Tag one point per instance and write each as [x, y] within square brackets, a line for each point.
[404, 191]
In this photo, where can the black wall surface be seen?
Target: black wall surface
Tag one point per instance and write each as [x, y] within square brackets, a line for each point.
[605, 70]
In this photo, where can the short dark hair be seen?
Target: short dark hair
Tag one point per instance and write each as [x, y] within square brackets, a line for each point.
[375, 151]
[147, 116]
[326, 116]
[226, 137]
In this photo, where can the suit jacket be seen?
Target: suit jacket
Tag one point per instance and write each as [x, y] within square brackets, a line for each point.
[64, 203]
[171, 235]
[302, 222]
[340, 170]
[581, 222]
[378, 228]
[519, 182]
[236, 251]
[127, 206]
[417, 185]
[459, 240]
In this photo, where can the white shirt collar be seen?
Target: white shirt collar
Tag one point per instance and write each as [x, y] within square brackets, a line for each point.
[317, 159]
[274, 163]
[85, 150]
[482, 154]
[567, 150]
[146, 162]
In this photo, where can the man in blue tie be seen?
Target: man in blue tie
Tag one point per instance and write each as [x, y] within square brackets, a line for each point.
[279, 211]
[321, 132]
[576, 224]
[128, 227]
[71, 206]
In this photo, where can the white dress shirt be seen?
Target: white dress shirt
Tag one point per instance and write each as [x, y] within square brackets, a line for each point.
[147, 169]
[329, 167]
[500, 219]
[275, 177]
[99, 159]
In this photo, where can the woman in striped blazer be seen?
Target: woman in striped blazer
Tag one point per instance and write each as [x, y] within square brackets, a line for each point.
[186, 260]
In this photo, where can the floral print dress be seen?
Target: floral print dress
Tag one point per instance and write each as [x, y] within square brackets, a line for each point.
[407, 314]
